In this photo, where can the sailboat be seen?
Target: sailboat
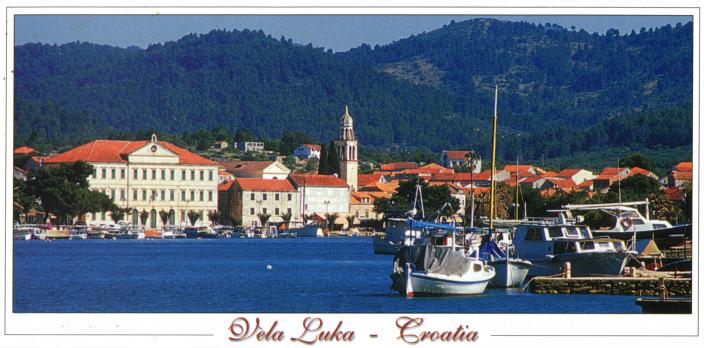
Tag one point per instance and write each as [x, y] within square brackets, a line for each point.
[510, 271]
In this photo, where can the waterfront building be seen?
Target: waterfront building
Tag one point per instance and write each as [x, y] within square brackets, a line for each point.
[362, 204]
[321, 193]
[346, 146]
[256, 169]
[147, 176]
[244, 199]
[307, 151]
[577, 175]
[451, 159]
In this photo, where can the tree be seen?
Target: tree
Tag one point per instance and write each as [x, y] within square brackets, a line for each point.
[323, 164]
[330, 219]
[263, 218]
[634, 188]
[637, 160]
[164, 216]
[193, 217]
[312, 164]
[286, 217]
[350, 221]
[243, 134]
[662, 208]
[333, 164]
[23, 199]
[117, 214]
[143, 216]
[292, 140]
[214, 216]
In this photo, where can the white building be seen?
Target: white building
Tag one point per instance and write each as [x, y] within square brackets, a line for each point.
[346, 145]
[321, 193]
[450, 159]
[577, 175]
[246, 198]
[253, 146]
[147, 176]
[256, 169]
[307, 151]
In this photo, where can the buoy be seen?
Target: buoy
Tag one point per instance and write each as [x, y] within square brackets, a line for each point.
[268, 267]
[409, 285]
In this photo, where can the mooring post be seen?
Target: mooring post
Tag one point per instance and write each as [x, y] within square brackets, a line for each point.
[566, 270]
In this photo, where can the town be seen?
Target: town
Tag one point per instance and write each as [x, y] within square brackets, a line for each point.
[156, 184]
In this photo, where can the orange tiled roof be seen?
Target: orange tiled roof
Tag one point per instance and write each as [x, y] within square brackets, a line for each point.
[225, 185]
[265, 185]
[586, 183]
[398, 166]
[456, 155]
[683, 167]
[569, 172]
[116, 151]
[317, 180]
[380, 187]
[674, 193]
[637, 170]
[682, 175]
[562, 183]
[312, 146]
[550, 174]
[611, 171]
[512, 168]
[244, 166]
[24, 150]
[365, 179]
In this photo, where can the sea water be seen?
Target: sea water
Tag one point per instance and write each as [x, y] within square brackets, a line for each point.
[296, 275]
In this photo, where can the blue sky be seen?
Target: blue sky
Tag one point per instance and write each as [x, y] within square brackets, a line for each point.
[338, 32]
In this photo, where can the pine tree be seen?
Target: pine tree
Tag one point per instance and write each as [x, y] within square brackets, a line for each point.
[323, 163]
[333, 163]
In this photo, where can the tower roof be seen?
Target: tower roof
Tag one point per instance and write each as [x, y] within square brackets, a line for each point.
[346, 118]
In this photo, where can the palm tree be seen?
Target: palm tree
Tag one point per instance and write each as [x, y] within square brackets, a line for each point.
[193, 216]
[263, 218]
[286, 217]
[330, 218]
[214, 216]
[164, 215]
[350, 221]
[118, 214]
[143, 216]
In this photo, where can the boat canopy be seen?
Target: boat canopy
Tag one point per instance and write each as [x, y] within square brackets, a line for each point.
[441, 260]
[624, 206]
[417, 224]
[489, 250]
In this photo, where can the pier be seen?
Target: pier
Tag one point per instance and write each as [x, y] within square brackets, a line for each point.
[678, 287]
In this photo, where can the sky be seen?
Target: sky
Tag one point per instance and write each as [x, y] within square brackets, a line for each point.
[337, 32]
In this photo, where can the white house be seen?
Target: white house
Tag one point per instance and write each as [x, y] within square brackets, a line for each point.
[321, 193]
[577, 175]
[253, 146]
[256, 169]
[307, 151]
[450, 159]
[147, 176]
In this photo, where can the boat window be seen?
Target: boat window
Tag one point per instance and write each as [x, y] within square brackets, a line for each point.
[572, 231]
[588, 245]
[555, 232]
[571, 247]
[637, 222]
[659, 226]
[560, 247]
[534, 233]
[585, 232]
[477, 267]
[603, 245]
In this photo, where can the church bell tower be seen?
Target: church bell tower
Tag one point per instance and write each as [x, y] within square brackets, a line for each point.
[346, 146]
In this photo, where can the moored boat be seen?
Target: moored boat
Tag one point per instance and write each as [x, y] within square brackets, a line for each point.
[307, 231]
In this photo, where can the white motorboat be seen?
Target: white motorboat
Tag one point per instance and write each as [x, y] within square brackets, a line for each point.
[548, 245]
[630, 225]
[510, 271]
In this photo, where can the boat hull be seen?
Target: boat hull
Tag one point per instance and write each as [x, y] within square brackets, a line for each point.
[385, 246]
[439, 284]
[510, 273]
[308, 231]
[664, 238]
[582, 264]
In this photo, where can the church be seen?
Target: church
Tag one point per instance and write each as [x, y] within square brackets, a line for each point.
[346, 146]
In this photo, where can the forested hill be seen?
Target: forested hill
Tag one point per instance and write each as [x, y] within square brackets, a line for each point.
[434, 89]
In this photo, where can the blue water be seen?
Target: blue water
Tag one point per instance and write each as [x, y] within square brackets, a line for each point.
[324, 275]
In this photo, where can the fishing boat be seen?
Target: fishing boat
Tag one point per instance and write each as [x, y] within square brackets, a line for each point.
[399, 232]
[78, 232]
[201, 232]
[630, 225]
[28, 232]
[438, 266]
[223, 231]
[309, 231]
[549, 243]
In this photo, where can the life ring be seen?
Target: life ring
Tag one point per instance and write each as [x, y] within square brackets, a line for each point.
[626, 223]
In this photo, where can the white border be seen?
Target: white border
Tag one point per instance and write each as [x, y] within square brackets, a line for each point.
[121, 328]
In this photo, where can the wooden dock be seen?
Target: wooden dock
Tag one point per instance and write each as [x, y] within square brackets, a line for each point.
[677, 287]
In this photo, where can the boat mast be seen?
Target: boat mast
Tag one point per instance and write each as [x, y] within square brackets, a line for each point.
[516, 207]
[493, 158]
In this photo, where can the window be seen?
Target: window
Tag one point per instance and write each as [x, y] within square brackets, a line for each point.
[276, 211]
[264, 196]
[112, 194]
[183, 215]
[202, 176]
[153, 174]
[264, 210]
[112, 173]
[183, 175]
[134, 194]
[251, 211]
[163, 195]
[154, 195]
[193, 175]
[172, 174]
[276, 197]
[288, 210]
[95, 174]
[103, 173]
[144, 174]
[251, 196]
[201, 195]
[555, 232]
[134, 174]
[210, 175]
[171, 195]
[122, 173]
[122, 194]
[144, 195]
[534, 233]
[193, 196]
[183, 196]
[163, 174]
[289, 197]
[210, 196]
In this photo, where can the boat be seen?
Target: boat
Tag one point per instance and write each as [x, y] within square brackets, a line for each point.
[54, 234]
[400, 232]
[438, 267]
[223, 231]
[630, 224]
[128, 233]
[201, 232]
[28, 232]
[78, 233]
[306, 231]
[550, 243]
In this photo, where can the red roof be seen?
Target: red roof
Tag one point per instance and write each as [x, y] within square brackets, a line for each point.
[365, 179]
[456, 155]
[569, 172]
[312, 146]
[674, 193]
[116, 151]
[521, 168]
[265, 185]
[611, 171]
[562, 183]
[454, 177]
[235, 167]
[431, 168]
[398, 166]
[225, 185]
[682, 175]
[586, 183]
[483, 176]
[24, 150]
[683, 167]
[316, 180]
[530, 179]
[636, 170]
